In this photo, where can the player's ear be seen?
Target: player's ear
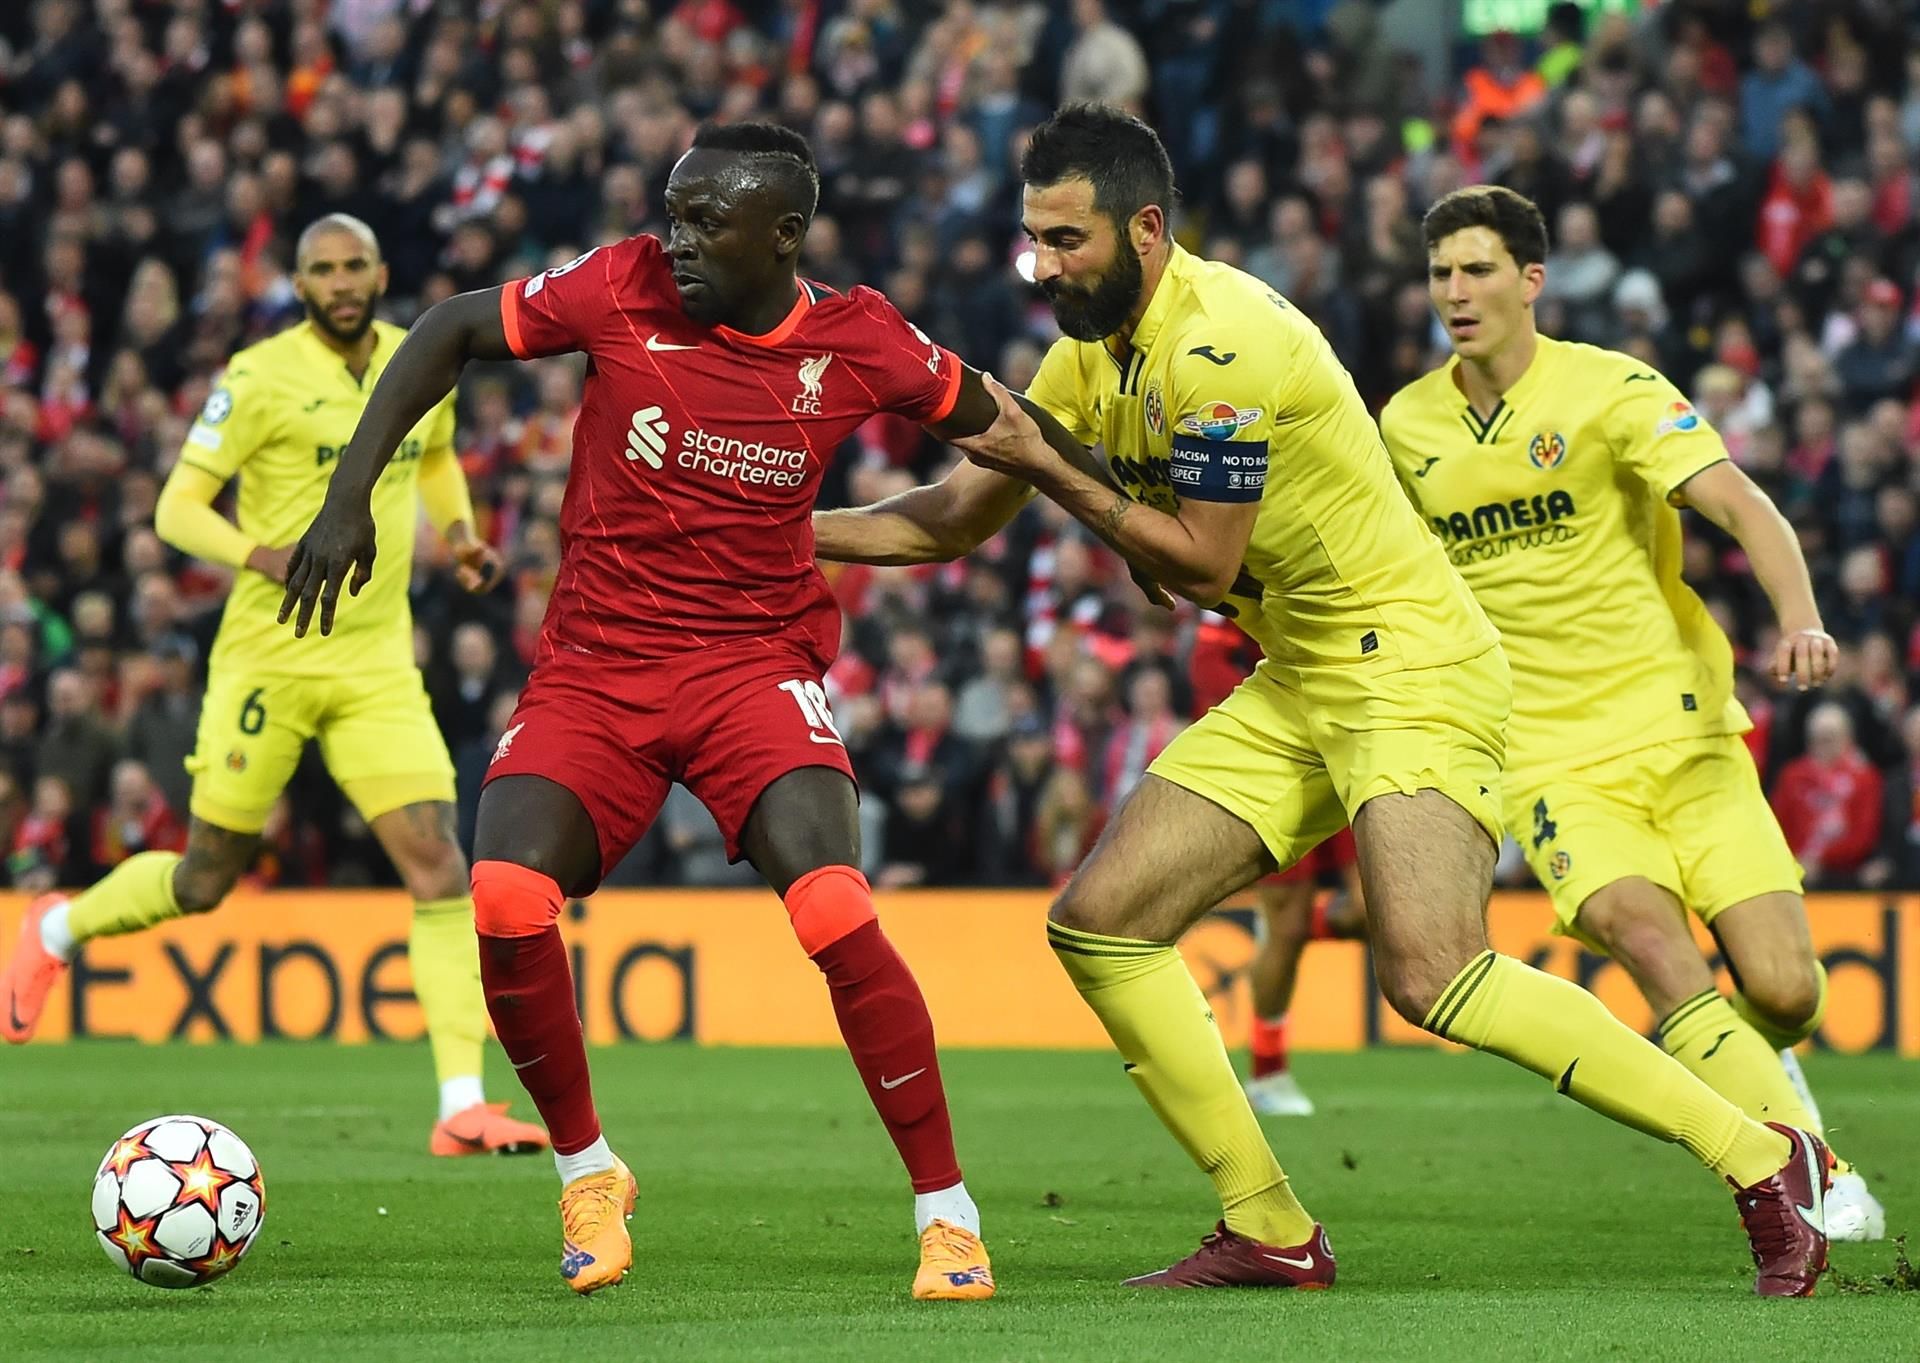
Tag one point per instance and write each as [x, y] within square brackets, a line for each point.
[1533, 278]
[380, 277]
[1146, 227]
[789, 230]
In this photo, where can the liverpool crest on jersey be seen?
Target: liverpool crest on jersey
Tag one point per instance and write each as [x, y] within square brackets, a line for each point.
[811, 371]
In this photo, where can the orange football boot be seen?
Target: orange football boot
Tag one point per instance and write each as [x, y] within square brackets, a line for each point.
[953, 1265]
[594, 1211]
[486, 1129]
[31, 974]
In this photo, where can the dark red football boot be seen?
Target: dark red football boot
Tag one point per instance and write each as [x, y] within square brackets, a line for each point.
[1228, 1259]
[1786, 1218]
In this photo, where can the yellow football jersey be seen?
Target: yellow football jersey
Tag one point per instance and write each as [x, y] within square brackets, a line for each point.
[1558, 511]
[1227, 393]
[282, 414]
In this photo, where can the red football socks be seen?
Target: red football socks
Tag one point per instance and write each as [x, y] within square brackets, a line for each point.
[882, 1016]
[529, 988]
[1267, 1042]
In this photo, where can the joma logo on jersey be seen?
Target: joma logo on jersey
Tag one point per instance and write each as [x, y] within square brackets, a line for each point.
[1500, 518]
[647, 437]
[811, 373]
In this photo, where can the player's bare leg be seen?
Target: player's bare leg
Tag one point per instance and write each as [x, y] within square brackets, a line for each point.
[1285, 926]
[1166, 859]
[533, 846]
[1783, 996]
[422, 840]
[803, 835]
[145, 889]
[1428, 867]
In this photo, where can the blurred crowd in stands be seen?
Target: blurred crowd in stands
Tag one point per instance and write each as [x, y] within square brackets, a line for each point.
[1731, 187]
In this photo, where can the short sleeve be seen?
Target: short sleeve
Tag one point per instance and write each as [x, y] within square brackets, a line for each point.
[1221, 416]
[234, 422]
[558, 312]
[1656, 432]
[911, 375]
[1056, 388]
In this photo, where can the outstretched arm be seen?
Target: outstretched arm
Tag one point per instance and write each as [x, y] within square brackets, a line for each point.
[1725, 495]
[465, 327]
[1196, 551]
[340, 543]
[953, 517]
[931, 524]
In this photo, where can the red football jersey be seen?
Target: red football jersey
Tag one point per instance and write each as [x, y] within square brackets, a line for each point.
[699, 450]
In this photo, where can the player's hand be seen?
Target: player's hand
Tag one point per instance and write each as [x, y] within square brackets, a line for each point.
[338, 545]
[1156, 595]
[477, 566]
[269, 562]
[1805, 657]
[1013, 445]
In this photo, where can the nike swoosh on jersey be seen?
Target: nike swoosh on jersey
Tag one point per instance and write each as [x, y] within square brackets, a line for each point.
[655, 343]
[830, 742]
[521, 1065]
[891, 1084]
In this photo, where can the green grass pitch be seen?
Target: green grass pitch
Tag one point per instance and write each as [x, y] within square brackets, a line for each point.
[1475, 1215]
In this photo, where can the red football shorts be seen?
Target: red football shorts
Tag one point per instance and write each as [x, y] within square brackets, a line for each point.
[726, 722]
[1330, 858]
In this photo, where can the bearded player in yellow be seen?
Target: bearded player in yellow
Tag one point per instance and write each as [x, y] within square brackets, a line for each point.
[283, 411]
[1552, 473]
[1252, 481]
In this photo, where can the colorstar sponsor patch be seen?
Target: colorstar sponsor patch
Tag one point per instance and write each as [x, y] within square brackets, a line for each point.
[1219, 420]
[1680, 417]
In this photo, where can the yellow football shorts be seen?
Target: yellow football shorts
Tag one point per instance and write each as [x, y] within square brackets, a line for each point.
[1688, 815]
[377, 736]
[1295, 752]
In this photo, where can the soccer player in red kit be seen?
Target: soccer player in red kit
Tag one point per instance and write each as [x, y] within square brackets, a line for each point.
[687, 634]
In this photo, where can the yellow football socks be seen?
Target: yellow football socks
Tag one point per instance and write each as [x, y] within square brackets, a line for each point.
[445, 954]
[1147, 1000]
[1564, 1034]
[1709, 1038]
[135, 894]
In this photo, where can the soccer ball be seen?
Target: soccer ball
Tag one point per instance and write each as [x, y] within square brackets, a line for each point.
[177, 1201]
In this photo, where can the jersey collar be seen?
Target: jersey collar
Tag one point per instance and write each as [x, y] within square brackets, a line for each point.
[330, 361]
[1162, 304]
[803, 299]
[1511, 401]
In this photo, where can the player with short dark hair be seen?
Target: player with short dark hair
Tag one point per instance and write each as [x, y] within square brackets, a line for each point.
[1627, 782]
[1255, 484]
[687, 635]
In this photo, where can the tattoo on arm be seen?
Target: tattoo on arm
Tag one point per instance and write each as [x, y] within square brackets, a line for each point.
[1110, 522]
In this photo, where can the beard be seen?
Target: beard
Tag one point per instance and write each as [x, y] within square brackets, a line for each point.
[346, 335]
[1096, 312]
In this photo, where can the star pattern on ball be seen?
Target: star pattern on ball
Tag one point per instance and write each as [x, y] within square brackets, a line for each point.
[201, 1181]
[134, 1236]
[222, 1257]
[127, 1152]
